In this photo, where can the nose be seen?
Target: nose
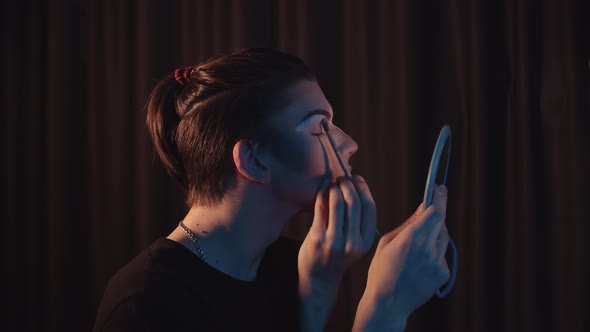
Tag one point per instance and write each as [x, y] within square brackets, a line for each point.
[346, 145]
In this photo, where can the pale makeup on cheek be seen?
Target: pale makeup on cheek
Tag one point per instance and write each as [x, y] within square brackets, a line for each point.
[314, 119]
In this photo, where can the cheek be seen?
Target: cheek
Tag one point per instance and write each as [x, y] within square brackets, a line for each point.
[303, 158]
[302, 169]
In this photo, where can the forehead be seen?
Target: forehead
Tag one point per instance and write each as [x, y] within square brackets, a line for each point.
[297, 100]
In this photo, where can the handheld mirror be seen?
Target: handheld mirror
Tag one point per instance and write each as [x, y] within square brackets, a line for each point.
[443, 138]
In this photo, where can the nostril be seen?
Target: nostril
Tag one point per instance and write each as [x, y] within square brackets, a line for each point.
[354, 148]
[348, 146]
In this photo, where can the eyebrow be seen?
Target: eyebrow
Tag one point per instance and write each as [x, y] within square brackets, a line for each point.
[325, 113]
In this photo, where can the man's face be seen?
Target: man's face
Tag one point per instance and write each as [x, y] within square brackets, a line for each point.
[303, 156]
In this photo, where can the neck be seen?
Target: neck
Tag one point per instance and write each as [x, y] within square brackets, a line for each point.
[235, 233]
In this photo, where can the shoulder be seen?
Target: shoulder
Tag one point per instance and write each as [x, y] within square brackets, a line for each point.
[152, 281]
[160, 257]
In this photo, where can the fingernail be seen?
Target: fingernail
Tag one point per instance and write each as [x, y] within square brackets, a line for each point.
[442, 189]
[359, 179]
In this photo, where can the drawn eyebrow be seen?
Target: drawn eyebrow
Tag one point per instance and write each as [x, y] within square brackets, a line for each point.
[325, 113]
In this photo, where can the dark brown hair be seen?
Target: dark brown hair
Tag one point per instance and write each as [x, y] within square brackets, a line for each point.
[195, 121]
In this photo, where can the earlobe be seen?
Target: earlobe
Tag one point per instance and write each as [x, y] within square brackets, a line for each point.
[246, 159]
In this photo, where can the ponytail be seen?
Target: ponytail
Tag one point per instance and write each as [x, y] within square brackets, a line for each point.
[162, 121]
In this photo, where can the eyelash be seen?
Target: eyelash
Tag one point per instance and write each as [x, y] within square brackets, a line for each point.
[321, 133]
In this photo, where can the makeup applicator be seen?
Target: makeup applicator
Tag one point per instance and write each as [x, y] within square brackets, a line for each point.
[326, 126]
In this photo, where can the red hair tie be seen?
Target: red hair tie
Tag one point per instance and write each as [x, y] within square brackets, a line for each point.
[183, 75]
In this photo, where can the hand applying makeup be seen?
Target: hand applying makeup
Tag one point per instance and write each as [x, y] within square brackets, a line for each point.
[343, 231]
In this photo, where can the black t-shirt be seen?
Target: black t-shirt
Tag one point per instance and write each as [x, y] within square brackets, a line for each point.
[168, 288]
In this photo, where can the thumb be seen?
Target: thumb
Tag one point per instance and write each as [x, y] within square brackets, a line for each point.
[388, 237]
[440, 199]
[434, 226]
[320, 217]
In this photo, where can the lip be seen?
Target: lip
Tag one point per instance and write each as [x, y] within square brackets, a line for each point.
[350, 170]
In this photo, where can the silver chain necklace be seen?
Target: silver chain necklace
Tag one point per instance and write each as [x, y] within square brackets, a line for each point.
[193, 238]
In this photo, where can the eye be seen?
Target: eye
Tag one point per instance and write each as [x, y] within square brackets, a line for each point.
[321, 133]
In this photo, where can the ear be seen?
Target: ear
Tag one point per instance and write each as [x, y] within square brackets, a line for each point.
[247, 160]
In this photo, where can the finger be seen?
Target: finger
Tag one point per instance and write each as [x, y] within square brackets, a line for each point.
[435, 217]
[419, 210]
[324, 184]
[320, 218]
[388, 237]
[440, 198]
[442, 243]
[353, 210]
[416, 214]
[336, 205]
[438, 206]
[391, 235]
[368, 222]
[400, 228]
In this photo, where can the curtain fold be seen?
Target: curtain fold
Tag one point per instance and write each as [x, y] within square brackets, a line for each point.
[83, 191]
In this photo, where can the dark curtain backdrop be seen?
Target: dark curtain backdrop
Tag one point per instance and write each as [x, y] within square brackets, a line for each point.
[82, 192]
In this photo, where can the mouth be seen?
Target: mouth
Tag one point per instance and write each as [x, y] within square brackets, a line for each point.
[340, 172]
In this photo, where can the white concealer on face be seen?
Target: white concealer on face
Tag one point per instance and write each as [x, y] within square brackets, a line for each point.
[314, 119]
